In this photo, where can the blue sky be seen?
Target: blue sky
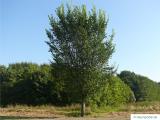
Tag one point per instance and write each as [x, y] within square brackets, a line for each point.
[136, 24]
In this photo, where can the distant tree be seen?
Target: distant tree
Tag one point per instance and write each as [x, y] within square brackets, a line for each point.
[33, 83]
[18, 71]
[3, 78]
[143, 88]
[81, 50]
[3, 74]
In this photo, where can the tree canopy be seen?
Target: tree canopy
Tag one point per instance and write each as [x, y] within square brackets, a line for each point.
[79, 45]
[143, 88]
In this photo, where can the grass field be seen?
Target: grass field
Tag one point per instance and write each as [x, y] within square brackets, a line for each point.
[72, 112]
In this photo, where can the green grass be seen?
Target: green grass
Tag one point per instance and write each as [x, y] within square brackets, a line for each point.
[146, 107]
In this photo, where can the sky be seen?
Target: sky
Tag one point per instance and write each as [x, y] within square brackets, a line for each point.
[136, 24]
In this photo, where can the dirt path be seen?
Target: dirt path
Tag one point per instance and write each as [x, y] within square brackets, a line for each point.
[110, 116]
[120, 117]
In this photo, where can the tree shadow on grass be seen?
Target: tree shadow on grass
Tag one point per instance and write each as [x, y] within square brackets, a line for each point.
[21, 117]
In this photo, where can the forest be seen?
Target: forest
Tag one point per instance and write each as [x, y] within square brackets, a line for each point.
[33, 84]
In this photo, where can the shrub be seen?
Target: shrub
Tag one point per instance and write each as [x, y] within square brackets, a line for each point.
[115, 92]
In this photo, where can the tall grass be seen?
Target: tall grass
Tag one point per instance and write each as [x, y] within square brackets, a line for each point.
[74, 110]
[141, 107]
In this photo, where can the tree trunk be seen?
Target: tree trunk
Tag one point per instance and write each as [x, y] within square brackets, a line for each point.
[83, 108]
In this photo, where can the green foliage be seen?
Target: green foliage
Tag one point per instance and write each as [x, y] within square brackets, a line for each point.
[81, 50]
[32, 84]
[26, 83]
[3, 74]
[115, 93]
[143, 88]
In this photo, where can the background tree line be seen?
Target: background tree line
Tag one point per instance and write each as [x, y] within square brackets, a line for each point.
[33, 84]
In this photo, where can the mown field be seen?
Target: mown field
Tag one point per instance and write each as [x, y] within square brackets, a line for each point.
[72, 112]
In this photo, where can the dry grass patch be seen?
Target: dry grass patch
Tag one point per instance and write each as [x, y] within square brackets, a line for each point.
[29, 111]
[41, 111]
[49, 111]
[141, 107]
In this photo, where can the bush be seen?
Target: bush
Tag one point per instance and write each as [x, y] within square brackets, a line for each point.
[113, 94]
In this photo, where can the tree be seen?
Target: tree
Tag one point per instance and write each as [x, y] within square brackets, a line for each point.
[33, 83]
[81, 50]
[3, 77]
[143, 88]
